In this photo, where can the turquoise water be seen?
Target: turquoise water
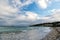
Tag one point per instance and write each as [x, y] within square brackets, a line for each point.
[3, 29]
[28, 33]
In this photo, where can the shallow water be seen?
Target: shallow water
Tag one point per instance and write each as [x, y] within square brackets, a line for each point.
[28, 33]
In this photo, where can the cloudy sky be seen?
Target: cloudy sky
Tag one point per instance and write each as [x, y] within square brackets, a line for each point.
[26, 12]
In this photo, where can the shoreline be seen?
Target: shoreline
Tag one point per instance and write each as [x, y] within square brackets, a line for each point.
[53, 35]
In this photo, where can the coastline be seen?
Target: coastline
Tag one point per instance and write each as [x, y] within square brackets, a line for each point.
[54, 34]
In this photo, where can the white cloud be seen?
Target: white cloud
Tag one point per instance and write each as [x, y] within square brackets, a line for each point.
[6, 12]
[55, 15]
[20, 4]
[9, 15]
[31, 16]
[44, 18]
[43, 3]
[5, 9]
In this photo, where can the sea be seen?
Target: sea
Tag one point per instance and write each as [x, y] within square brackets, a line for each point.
[23, 33]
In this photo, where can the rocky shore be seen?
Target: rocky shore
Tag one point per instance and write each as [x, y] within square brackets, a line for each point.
[53, 35]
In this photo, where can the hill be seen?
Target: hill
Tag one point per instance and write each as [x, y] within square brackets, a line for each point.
[48, 24]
